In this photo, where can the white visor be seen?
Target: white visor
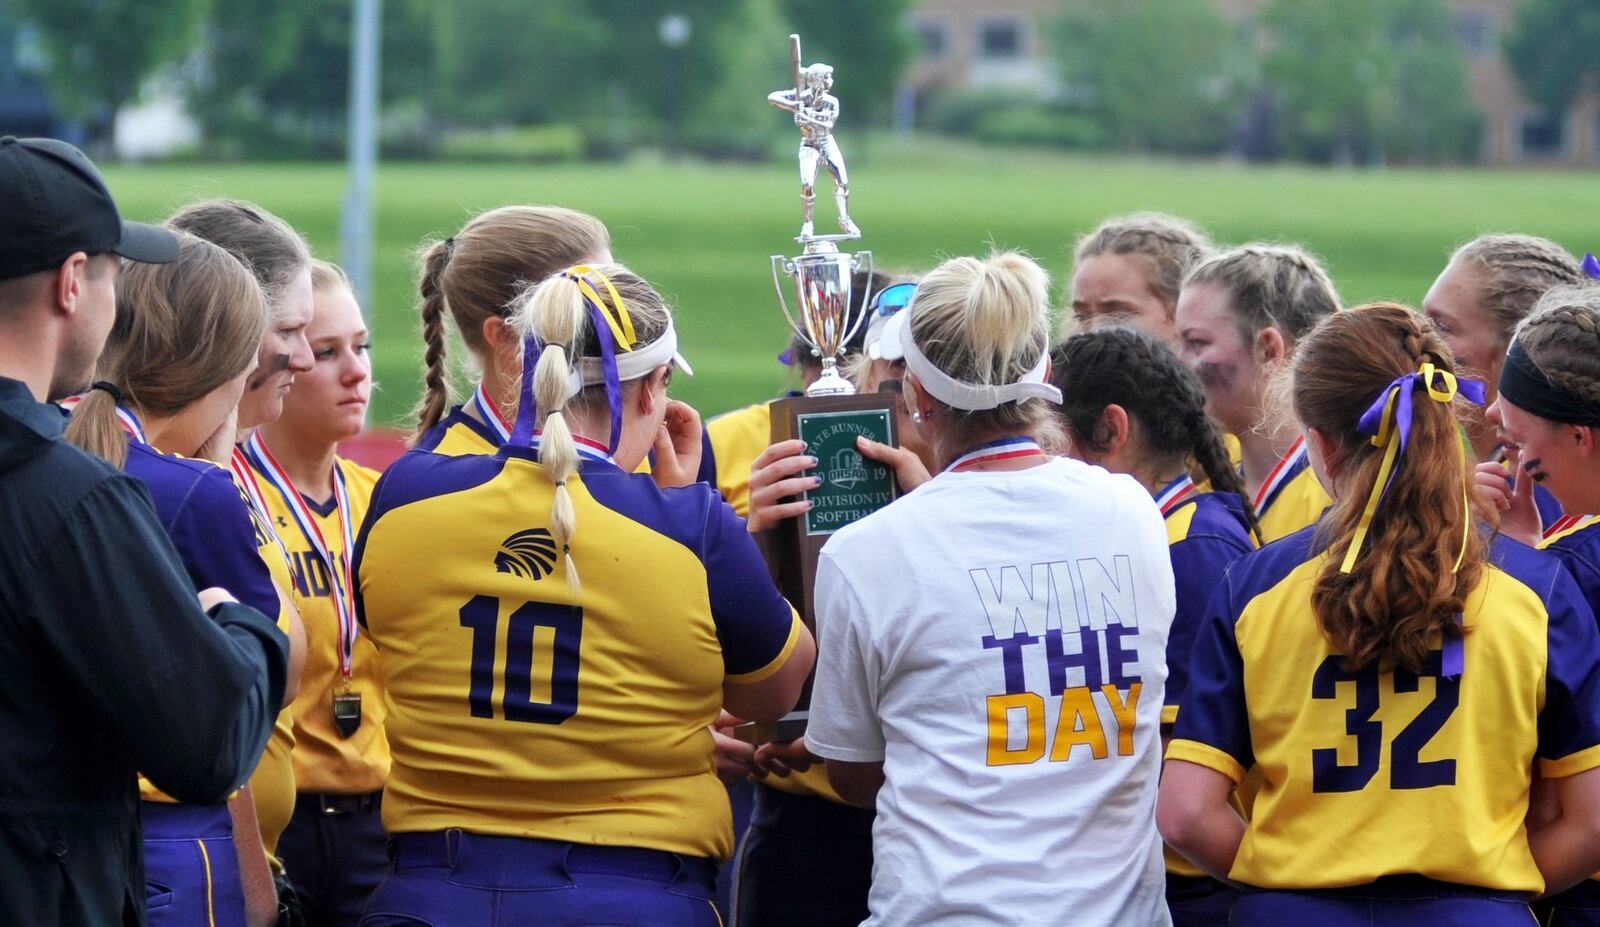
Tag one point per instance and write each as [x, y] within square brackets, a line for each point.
[971, 397]
[631, 365]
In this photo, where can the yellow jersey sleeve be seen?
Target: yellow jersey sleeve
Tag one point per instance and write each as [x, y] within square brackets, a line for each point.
[272, 785]
[1299, 502]
[734, 441]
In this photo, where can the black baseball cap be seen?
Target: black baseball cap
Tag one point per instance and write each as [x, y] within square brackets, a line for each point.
[54, 204]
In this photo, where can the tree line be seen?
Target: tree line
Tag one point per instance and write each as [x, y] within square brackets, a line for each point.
[1359, 81]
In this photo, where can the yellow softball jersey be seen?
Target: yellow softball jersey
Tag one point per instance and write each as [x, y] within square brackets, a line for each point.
[520, 706]
[325, 762]
[272, 785]
[201, 511]
[733, 442]
[1206, 531]
[1291, 497]
[1367, 774]
[459, 433]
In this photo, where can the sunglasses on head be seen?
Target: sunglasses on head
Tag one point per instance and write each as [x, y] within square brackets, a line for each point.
[892, 299]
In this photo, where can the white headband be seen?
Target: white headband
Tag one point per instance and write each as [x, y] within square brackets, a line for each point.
[631, 365]
[971, 397]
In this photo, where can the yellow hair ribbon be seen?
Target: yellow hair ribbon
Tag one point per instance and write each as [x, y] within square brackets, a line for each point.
[619, 319]
[1388, 437]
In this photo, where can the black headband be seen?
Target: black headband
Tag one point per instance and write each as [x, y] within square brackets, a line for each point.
[1527, 388]
[108, 388]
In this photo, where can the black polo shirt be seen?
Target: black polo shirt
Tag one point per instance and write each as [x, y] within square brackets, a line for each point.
[108, 667]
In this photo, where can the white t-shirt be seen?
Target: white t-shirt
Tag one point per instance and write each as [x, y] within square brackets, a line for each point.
[954, 626]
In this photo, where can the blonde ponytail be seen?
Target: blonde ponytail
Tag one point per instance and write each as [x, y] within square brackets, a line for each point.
[556, 315]
[557, 309]
[986, 322]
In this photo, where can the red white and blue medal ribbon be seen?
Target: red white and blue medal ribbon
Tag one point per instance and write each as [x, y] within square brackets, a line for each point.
[1003, 449]
[131, 424]
[343, 601]
[487, 410]
[1285, 470]
[587, 447]
[1567, 523]
[245, 476]
[1177, 492]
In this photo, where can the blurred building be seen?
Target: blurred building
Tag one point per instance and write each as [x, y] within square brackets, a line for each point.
[975, 45]
[25, 108]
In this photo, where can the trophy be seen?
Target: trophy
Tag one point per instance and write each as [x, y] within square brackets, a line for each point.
[831, 415]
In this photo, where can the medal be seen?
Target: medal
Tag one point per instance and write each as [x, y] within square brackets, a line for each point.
[347, 713]
[346, 707]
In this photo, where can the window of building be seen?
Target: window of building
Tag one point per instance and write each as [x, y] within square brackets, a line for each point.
[1475, 31]
[934, 36]
[1000, 39]
[1543, 134]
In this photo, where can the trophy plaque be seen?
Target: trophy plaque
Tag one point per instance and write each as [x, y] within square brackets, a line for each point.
[831, 415]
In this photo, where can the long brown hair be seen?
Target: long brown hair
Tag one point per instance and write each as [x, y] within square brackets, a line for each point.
[1403, 592]
[182, 330]
[480, 271]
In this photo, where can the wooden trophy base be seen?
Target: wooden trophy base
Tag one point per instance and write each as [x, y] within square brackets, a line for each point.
[853, 487]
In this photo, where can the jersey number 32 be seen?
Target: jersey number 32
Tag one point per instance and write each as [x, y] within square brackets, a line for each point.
[1406, 770]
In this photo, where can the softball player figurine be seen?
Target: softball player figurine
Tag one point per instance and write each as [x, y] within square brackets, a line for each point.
[815, 112]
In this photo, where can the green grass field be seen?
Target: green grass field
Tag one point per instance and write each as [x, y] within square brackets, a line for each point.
[703, 232]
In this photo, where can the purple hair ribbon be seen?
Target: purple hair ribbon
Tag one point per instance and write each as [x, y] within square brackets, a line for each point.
[1388, 421]
[527, 410]
[1591, 266]
[608, 362]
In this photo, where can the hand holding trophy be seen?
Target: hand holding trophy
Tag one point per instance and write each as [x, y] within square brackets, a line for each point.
[830, 416]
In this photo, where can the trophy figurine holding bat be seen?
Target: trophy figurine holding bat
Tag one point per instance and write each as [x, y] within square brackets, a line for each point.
[830, 416]
[815, 112]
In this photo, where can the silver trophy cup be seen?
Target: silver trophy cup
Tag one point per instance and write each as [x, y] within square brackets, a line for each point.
[822, 316]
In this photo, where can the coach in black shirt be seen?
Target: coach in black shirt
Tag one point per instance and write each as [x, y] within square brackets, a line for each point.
[108, 664]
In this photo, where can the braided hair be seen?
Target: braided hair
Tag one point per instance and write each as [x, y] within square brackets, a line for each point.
[1141, 374]
[1270, 286]
[1171, 245]
[1514, 271]
[1562, 338]
[481, 271]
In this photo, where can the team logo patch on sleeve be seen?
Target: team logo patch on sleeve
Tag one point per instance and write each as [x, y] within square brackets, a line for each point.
[530, 553]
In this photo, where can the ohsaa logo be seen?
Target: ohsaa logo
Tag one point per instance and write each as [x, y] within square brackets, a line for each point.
[530, 554]
[845, 470]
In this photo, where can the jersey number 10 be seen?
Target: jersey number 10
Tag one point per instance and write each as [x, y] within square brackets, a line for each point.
[1406, 771]
[540, 676]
